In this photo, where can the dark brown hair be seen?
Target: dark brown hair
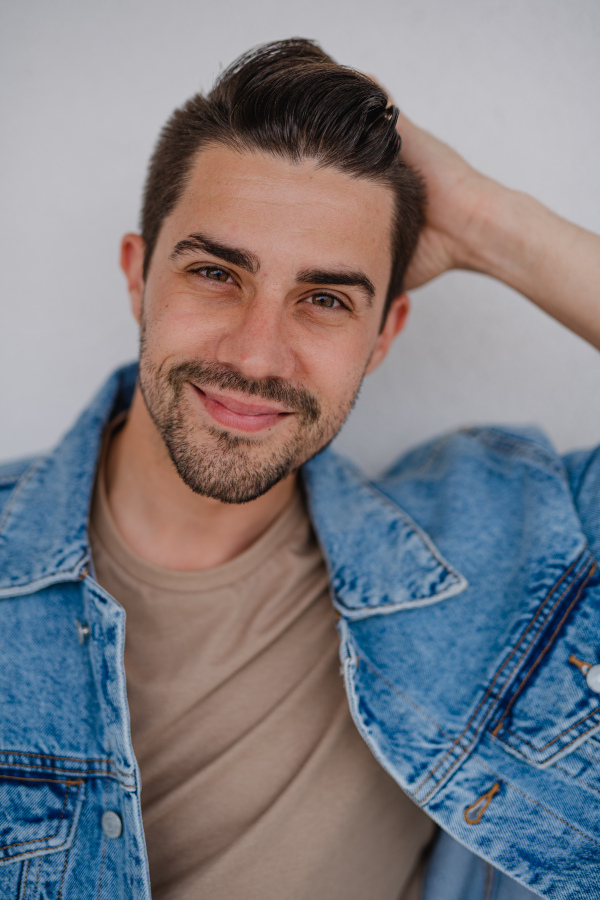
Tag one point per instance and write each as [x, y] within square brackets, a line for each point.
[290, 99]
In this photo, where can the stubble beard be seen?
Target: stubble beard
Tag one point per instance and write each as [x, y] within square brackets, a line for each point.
[224, 466]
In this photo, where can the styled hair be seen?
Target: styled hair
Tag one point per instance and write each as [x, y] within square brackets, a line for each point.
[290, 99]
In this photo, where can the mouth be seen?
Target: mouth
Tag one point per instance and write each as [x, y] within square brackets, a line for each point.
[241, 415]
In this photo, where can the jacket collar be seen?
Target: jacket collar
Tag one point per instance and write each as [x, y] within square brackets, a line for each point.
[43, 531]
[378, 559]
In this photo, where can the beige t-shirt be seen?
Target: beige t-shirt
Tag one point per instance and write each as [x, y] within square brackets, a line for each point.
[255, 782]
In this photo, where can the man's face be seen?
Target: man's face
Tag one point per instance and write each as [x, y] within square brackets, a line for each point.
[260, 315]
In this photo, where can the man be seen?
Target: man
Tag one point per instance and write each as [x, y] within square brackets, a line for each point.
[278, 229]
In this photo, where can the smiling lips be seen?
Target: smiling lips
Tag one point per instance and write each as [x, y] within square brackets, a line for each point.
[238, 414]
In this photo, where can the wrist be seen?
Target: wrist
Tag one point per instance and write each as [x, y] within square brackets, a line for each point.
[501, 240]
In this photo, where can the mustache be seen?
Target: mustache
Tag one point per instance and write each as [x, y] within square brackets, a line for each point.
[296, 399]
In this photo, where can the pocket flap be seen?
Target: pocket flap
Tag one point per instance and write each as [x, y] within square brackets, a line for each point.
[37, 814]
[549, 708]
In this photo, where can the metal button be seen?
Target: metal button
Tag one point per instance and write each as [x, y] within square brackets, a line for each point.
[112, 824]
[83, 631]
[592, 676]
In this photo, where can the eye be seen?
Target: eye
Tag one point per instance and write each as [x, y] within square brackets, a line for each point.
[213, 273]
[326, 301]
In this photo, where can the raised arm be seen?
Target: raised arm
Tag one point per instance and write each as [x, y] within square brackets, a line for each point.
[475, 223]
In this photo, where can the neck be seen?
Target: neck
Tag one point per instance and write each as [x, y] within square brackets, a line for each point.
[161, 519]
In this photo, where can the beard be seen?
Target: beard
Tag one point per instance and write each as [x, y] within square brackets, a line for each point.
[212, 461]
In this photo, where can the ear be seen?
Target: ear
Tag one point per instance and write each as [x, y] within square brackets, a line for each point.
[394, 323]
[132, 263]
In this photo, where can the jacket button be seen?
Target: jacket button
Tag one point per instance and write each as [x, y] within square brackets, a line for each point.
[83, 631]
[112, 824]
[593, 679]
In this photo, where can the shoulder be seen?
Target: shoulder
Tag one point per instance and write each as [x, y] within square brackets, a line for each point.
[477, 454]
[583, 472]
[12, 473]
[480, 477]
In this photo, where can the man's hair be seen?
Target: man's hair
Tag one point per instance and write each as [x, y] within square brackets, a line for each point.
[289, 99]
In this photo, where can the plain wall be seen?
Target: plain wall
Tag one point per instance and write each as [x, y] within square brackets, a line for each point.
[84, 89]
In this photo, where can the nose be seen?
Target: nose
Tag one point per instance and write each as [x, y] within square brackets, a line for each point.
[257, 343]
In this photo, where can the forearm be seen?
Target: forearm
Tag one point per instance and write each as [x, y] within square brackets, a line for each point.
[549, 260]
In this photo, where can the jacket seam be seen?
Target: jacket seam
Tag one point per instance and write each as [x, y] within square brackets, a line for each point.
[48, 837]
[495, 678]
[37, 880]
[584, 474]
[60, 769]
[550, 812]
[580, 750]
[47, 579]
[545, 649]
[554, 739]
[20, 484]
[577, 778]
[128, 785]
[410, 523]
[104, 842]
[64, 872]
[415, 706]
[527, 449]
[23, 891]
[489, 880]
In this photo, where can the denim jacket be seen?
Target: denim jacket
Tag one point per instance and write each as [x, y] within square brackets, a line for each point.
[469, 605]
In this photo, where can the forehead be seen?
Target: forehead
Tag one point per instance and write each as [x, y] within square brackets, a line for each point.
[297, 213]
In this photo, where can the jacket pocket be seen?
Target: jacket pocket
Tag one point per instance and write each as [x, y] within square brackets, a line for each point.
[547, 707]
[38, 815]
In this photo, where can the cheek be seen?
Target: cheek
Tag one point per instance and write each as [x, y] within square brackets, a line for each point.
[175, 329]
[336, 376]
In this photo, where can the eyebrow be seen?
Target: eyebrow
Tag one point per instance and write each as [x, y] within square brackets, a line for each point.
[234, 255]
[347, 277]
[247, 260]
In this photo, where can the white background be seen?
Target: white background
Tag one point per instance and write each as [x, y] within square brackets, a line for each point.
[84, 89]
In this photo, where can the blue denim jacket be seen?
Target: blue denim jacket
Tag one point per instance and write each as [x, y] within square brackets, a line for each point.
[464, 580]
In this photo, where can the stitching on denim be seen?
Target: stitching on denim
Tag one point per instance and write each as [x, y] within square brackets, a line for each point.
[410, 702]
[44, 578]
[48, 837]
[37, 880]
[66, 771]
[498, 672]
[545, 649]
[527, 758]
[482, 802]
[74, 759]
[103, 844]
[581, 750]
[537, 803]
[584, 474]
[494, 680]
[22, 893]
[70, 782]
[410, 523]
[20, 485]
[577, 778]
[489, 881]
[64, 872]
[516, 668]
[527, 449]
[558, 736]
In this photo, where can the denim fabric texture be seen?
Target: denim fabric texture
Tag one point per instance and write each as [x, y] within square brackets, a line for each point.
[465, 587]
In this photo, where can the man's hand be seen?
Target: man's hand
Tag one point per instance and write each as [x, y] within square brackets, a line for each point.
[456, 199]
[472, 222]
